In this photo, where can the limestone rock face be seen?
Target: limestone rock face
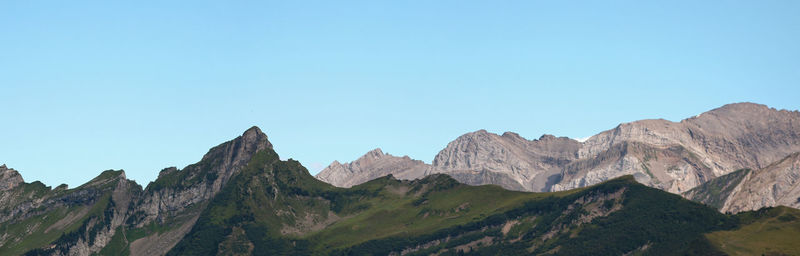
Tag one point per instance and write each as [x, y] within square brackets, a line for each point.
[372, 165]
[510, 159]
[175, 190]
[475, 158]
[777, 184]
[673, 156]
[735, 136]
[671, 168]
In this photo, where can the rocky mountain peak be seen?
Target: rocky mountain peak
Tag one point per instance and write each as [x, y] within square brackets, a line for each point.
[478, 135]
[375, 153]
[256, 137]
[547, 137]
[243, 147]
[512, 135]
[9, 178]
[478, 132]
[176, 190]
[740, 108]
[106, 177]
[674, 156]
[371, 165]
[167, 171]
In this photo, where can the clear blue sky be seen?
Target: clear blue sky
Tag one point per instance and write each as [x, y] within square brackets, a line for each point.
[87, 86]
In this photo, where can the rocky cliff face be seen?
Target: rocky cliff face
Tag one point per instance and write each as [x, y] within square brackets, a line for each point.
[776, 184]
[175, 190]
[241, 199]
[475, 158]
[372, 165]
[744, 190]
[508, 160]
[83, 219]
[735, 136]
[178, 197]
[673, 156]
[111, 212]
[9, 178]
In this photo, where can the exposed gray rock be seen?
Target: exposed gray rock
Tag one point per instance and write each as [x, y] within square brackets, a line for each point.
[176, 190]
[172, 202]
[777, 184]
[673, 156]
[732, 137]
[9, 178]
[37, 201]
[515, 162]
[372, 165]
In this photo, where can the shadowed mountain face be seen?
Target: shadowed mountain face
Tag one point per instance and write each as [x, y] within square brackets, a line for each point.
[673, 156]
[241, 199]
[746, 190]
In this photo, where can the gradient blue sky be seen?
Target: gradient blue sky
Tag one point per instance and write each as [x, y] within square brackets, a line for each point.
[87, 86]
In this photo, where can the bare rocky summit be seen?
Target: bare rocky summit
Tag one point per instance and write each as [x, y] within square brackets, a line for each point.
[9, 178]
[508, 160]
[673, 156]
[517, 163]
[374, 164]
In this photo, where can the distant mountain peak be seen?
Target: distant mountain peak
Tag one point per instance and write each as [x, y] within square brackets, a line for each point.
[375, 153]
[743, 106]
[673, 156]
[371, 165]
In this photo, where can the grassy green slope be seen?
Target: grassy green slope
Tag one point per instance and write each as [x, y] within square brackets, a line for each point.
[769, 231]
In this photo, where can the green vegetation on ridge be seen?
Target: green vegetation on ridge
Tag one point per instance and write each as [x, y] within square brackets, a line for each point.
[768, 231]
[275, 207]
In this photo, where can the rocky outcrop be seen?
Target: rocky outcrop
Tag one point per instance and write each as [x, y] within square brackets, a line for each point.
[475, 158]
[732, 137]
[91, 213]
[176, 190]
[673, 156]
[9, 178]
[110, 204]
[745, 189]
[372, 165]
[514, 161]
[776, 184]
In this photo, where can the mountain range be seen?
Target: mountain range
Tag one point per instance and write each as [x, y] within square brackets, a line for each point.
[672, 156]
[240, 198]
